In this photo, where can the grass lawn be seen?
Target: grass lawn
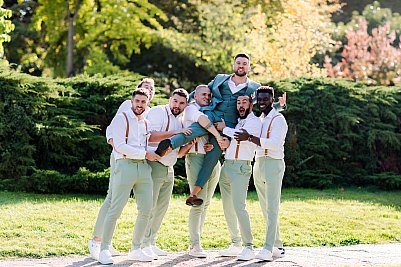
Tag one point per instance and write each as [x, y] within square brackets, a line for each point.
[47, 225]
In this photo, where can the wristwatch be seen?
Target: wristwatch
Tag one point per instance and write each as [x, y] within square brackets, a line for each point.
[250, 138]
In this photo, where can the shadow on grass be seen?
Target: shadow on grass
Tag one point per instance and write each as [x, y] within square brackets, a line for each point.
[7, 197]
[365, 195]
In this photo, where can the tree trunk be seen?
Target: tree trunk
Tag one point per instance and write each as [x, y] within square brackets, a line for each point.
[70, 41]
[70, 46]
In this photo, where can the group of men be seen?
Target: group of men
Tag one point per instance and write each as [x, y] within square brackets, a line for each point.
[147, 142]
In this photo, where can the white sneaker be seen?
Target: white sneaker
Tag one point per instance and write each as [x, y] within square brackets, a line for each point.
[278, 252]
[158, 251]
[105, 257]
[114, 252]
[94, 249]
[265, 255]
[139, 255]
[197, 251]
[231, 251]
[246, 254]
[149, 251]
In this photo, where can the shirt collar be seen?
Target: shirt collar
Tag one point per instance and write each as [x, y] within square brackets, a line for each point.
[272, 113]
[250, 115]
[131, 114]
[197, 105]
[231, 81]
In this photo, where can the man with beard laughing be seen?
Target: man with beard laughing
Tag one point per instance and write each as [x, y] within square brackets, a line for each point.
[131, 172]
[234, 179]
[269, 169]
[165, 121]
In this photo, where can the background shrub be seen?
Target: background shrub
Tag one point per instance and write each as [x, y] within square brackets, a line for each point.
[52, 132]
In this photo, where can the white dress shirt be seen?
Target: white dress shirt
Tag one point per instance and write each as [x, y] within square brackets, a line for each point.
[191, 115]
[135, 148]
[158, 119]
[253, 126]
[235, 88]
[126, 105]
[275, 143]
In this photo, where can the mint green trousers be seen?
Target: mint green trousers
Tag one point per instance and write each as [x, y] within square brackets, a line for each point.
[234, 181]
[268, 175]
[129, 174]
[197, 215]
[99, 225]
[163, 182]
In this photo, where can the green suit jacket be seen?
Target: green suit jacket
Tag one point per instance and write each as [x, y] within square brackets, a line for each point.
[216, 96]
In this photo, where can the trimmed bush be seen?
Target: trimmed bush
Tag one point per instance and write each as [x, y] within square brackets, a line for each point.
[52, 132]
[339, 130]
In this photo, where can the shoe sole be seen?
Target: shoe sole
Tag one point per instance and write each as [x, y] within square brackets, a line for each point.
[197, 256]
[238, 259]
[195, 203]
[269, 260]
[229, 255]
[106, 263]
[162, 147]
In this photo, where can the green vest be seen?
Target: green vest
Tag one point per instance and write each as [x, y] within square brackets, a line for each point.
[228, 108]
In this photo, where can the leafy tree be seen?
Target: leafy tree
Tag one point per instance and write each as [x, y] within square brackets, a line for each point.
[25, 50]
[106, 32]
[369, 58]
[218, 36]
[282, 43]
[6, 27]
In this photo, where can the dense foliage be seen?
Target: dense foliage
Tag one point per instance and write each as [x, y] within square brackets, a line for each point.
[52, 132]
[6, 27]
[342, 133]
[369, 47]
[57, 124]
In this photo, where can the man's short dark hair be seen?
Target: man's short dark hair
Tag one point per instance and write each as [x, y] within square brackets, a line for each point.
[141, 91]
[249, 97]
[265, 89]
[181, 92]
[245, 55]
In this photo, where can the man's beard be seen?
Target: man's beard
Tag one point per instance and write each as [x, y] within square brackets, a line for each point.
[176, 112]
[240, 74]
[136, 113]
[247, 111]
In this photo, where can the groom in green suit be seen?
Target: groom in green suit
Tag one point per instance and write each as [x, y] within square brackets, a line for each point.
[225, 90]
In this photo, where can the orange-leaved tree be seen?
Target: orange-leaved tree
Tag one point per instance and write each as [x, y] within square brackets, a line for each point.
[283, 43]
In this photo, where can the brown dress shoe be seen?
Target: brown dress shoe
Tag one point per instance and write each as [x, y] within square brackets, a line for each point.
[194, 201]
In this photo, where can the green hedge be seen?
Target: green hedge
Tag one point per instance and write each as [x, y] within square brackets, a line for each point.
[341, 133]
[52, 132]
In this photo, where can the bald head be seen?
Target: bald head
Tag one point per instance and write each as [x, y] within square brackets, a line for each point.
[202, 95]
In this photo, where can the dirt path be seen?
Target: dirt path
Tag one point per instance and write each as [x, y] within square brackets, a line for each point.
[357, 255]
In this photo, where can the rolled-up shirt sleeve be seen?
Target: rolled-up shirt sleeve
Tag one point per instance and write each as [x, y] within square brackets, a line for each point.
[118, 125]
[277, 135]
[192, 114]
